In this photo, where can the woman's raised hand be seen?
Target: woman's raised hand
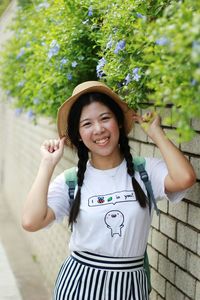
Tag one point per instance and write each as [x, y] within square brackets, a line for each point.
[149, 122]
[52, 150]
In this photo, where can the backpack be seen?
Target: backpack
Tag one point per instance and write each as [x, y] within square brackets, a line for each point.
[139, 166]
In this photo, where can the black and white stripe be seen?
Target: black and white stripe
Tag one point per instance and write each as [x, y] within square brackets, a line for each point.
[87, 276]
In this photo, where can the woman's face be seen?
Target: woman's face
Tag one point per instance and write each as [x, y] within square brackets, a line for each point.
[99, 130]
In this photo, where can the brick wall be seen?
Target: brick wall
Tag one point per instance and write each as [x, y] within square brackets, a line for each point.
[174, 240]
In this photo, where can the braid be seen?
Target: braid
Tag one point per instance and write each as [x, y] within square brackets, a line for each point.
[125, 149]
[83, 158]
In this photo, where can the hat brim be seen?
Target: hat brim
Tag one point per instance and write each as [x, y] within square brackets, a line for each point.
[64, 109]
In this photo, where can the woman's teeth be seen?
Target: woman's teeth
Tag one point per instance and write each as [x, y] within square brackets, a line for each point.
[102, 141]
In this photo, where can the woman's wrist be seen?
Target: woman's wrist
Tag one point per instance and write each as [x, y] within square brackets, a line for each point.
[47, 164]
[157, 135]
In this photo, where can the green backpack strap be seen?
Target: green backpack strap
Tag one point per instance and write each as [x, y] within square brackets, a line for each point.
[71, 181]
[148, 271]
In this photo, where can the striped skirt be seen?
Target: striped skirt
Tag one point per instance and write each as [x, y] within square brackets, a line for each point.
[87, 276]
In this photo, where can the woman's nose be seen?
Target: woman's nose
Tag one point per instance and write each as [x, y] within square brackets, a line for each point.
[98, 128]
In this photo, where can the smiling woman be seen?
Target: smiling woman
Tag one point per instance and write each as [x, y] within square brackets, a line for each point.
[110, 214]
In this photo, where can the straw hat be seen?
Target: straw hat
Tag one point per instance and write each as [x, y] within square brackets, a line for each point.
[90, 87]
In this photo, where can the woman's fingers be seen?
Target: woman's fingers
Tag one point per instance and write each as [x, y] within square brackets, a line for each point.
[53, 144]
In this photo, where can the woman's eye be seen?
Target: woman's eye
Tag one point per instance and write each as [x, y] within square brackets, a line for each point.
[105, 118]
[86, 124]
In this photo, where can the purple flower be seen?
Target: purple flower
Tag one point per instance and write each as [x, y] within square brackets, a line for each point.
[42, 5]
[120, 46]
[69, 76]
[30, 114]
[109, 43]
[18, 112]
[162, 41]
[193, 82]
[21, 83]
[74, 64]
[136, 76]
[54, 49]
[21, 53]
[128, 79]
[63, 61]
[36, 101]
[90, 11]
[140, 16]
[99, 67]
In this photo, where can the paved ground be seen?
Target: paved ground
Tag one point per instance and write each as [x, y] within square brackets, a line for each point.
[8, 285]
[20, 276]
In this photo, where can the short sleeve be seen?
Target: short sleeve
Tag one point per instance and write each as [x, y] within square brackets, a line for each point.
[58, 199]
[157, 171]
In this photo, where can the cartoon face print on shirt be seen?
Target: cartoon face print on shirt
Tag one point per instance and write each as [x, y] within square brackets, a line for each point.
[114, 220]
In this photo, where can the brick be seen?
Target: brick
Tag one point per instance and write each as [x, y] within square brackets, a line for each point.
[155, 221]
[158, 282]
[150, 236]
[166, 268]
[193, 193]
[159, 241]
[163, 205]
[193, 146]
[172, 136]
[194, 216]
[147, 150]
[172, 293]
[153, 257]
[135, 147]
[138, 133]
[153, 295]
[177, 253]
[166, 116]
[185, 282]
[197, 294]
[160, 298]
[193, 265]
[157, 153]
[196, 165]
[198, 245]
[179, 210]
[168, 226]
[187, 237]
[196, 124]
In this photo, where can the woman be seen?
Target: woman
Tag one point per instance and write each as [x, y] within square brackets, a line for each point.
[110, 214]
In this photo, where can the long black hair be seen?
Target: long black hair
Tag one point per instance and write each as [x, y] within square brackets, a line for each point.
[82, 150]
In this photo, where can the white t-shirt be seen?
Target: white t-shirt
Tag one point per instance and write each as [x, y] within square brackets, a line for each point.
[111, 221]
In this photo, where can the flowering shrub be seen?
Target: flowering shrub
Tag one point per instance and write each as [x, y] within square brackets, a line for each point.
[49, 54]
[150, 54]
[147, 51]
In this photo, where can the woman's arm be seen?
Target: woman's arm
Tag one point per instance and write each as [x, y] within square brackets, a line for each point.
[181, 174]
[36, 213]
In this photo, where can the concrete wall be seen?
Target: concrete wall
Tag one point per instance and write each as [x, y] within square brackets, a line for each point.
[174, 241]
